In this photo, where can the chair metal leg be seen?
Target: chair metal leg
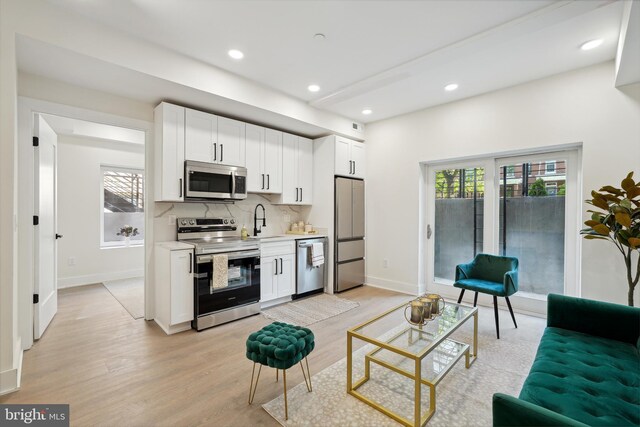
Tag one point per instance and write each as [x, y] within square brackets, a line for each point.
[308, 373]
[307, 382]
[495, 310]
[252, 388]
[286, 409]
[460, 297]
[475, 299]
[277, 374]
[511, 311]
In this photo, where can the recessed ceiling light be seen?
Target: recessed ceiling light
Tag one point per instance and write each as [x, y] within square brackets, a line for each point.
[367, 111]
[319, 36]
[236, 54]
[591, 44]
[450, 87]
[313, 88]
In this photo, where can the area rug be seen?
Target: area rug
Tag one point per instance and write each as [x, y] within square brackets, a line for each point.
[129, 293]
[310, 310]
[463, 397]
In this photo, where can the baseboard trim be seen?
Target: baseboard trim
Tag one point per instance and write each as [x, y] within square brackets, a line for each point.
[90, 279]
[392, 285]
[10, 379]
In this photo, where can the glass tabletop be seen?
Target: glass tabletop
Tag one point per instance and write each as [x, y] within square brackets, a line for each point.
[393, 329]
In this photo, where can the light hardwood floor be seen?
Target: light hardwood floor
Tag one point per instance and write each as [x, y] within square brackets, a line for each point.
[114, 370]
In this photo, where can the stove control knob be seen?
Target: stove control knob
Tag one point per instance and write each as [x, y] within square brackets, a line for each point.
[226, 221]
[183, 222]
[233, 221]
[192, 222]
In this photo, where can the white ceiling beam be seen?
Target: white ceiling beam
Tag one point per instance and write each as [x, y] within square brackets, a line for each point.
[628, 55]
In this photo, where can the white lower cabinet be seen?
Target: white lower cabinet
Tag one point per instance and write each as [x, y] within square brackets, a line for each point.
[174, 287]
[277, 270]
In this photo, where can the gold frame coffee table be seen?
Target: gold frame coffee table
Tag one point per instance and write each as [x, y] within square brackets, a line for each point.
[396, 340]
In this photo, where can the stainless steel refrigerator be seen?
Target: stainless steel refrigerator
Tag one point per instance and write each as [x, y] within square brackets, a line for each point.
[349, 234]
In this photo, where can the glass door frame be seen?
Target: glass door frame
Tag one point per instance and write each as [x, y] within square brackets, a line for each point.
[572, 223]
[490, 163]
[445, 288]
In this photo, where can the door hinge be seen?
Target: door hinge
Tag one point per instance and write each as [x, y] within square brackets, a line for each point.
[36, 141]
[36, 220]
[36, 298]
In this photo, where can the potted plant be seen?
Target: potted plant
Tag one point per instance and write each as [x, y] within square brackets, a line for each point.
[618, 221]
[127, 231]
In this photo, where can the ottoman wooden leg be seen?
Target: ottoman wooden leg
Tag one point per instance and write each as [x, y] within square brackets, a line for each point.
[252, 388]
[277, 375]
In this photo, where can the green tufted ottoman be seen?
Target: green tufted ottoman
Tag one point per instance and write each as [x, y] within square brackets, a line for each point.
[280, 345]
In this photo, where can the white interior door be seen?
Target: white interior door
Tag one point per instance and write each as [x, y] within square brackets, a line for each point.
[46, 274]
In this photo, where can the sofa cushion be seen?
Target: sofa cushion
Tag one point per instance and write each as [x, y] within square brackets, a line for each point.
[483, 286]
[590, 379]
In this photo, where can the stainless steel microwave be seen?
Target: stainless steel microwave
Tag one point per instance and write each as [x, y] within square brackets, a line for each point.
[214, 181]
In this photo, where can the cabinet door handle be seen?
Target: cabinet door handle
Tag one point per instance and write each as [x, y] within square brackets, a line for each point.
[221, 152]
[300, 193]
[354, 167]
[276, 261]
[263, 181]
[180, 187]
[280, 265]
[215, 151]
[190, 263]
[268, 182]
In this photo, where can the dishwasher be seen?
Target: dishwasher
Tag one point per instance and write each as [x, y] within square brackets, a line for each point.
[310, 279]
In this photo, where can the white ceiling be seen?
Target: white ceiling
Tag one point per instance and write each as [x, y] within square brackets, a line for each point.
[390, 56]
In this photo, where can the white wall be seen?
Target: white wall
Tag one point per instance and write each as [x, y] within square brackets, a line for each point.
[79, 176]
[578, 106]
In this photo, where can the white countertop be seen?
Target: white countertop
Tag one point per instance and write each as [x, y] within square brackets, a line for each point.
[175, 246]
[284, 237]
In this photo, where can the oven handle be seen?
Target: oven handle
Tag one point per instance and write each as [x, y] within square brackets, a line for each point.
[201, 259]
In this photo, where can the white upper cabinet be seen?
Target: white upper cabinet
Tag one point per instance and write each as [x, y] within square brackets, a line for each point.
[169, 152]
[350, 158]
[255, 142]
[231, 142]
[201, 136]
[213, 139]
[297, 171]
[264, 160]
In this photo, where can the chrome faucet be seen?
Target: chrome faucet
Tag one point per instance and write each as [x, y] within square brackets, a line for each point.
[255, 219]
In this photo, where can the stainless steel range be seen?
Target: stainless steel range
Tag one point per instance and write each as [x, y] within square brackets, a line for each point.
[227, 271]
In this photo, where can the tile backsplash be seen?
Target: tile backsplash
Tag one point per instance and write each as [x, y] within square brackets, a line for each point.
[279, 217]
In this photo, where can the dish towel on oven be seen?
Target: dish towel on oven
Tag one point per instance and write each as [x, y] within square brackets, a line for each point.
[220, 273]
[317, 254]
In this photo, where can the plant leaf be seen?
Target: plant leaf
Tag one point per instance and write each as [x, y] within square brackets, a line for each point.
[600, 203]
[624, 219]
[634, 192]
[634, 242]
[602, 229]
[628, 183]
[591, 223]
[612, 190]
[626, 203]
[592, 237]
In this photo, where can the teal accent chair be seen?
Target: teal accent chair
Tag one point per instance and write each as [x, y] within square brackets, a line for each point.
[586, 371]
[489, 274]
[281, 346]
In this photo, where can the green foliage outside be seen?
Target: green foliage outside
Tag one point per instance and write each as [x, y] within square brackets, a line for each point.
[562, 190]
[448, 183]
[538, 189]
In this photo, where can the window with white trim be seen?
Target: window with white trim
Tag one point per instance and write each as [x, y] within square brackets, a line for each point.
[121, 206]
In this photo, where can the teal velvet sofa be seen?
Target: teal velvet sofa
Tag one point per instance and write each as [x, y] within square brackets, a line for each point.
[586, 370]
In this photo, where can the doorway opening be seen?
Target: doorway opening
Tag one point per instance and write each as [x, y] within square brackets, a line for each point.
[90, 208]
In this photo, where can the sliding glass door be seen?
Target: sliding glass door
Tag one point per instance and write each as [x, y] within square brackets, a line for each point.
[525, 206]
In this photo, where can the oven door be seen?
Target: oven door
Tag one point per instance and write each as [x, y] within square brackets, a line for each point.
[209, 181]
[243, 282]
